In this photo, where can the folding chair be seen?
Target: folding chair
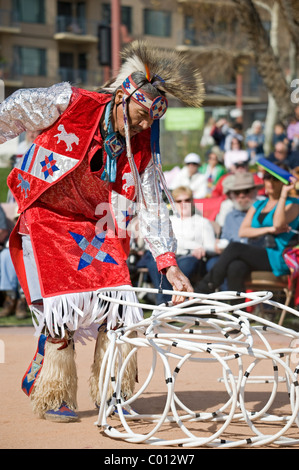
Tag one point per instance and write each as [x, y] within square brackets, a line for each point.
[265, 280]
[142, 281]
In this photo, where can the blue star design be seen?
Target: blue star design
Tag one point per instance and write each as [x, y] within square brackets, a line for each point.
[93, 246]
[48, 166]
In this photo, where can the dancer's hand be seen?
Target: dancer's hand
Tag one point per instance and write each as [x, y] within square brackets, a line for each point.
[179, 282]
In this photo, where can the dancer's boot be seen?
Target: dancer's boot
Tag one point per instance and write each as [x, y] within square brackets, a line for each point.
[130, 374]
[51, 380]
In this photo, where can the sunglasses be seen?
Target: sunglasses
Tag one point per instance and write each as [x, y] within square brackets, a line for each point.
[241, 165]
[267, 176]
[242, 191]
[183, 200]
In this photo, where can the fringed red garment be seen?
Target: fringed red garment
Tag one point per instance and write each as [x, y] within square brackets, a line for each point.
[68, 211]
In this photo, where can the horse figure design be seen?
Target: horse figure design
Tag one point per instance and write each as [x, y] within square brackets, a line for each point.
[69, 139]
[129, 181]
[25, 185]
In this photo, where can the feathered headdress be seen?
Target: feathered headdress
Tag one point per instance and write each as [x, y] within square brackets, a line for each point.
[169, 71]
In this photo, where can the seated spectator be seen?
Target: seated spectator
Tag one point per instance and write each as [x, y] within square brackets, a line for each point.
[190, 176]
[195, 239]
[4, 230]
[223, 133]
[207, 140]
[234, 133]
[279, 134]
[236, 162]
[282, 154]
[14, 303]
[219, 132]
[293, 130]
[255, 142]
[242, 192]
[213, 169]
[268, 221]
[235, 157]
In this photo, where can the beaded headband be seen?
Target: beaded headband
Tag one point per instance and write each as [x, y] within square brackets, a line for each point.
[156, 107]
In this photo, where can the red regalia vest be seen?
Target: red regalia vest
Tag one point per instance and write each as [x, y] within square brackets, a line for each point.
[74, 253]
[58, 150]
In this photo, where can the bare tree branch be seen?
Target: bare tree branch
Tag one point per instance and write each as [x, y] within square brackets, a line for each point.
[266, 61]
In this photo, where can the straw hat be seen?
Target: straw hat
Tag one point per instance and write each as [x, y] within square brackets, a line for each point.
[240, 181]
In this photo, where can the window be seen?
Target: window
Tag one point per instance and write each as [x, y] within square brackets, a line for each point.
[31, 61]
[30, 11]
[189, 30]
[73, 67]
[157, 23]
[125, 13]
[71, 17]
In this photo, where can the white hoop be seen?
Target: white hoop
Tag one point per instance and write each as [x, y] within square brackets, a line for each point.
[199, 331]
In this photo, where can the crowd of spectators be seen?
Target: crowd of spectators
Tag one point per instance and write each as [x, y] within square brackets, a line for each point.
[11, 295]
[240, 217]
[234, 216]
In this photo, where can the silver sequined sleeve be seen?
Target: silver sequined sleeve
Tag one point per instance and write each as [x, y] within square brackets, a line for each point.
[154, 223]
[32, 109]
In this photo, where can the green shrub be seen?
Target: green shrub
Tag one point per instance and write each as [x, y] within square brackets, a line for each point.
[4, 172]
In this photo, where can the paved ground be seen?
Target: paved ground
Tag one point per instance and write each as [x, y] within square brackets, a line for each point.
[198, 387]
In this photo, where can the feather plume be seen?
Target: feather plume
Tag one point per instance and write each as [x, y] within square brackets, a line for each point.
[171, 71]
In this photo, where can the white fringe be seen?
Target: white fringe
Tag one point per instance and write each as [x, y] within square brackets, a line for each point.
[84, 312]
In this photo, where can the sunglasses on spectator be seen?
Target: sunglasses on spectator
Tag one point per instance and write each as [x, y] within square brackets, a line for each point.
[267, 176]
[242, 191]
[183, 200]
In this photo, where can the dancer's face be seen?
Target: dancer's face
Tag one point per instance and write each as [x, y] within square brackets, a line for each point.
[139, 118]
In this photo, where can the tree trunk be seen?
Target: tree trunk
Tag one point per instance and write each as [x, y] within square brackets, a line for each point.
[272, 110]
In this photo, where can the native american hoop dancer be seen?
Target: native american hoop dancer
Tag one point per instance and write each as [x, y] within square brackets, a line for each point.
[95, 163]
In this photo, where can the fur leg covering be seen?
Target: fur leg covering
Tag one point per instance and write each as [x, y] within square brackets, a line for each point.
[57, 381]
[129, 376]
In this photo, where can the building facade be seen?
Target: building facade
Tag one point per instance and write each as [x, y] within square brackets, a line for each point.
[43, 42]
[46, 41]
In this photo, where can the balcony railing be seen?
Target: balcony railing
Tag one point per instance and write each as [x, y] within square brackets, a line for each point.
[77, 26]
[80, 77]
[250, 89]
[9, 19]
[10, 72]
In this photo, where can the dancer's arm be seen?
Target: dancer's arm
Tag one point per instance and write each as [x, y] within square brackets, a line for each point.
[32, 109]
[156, 229]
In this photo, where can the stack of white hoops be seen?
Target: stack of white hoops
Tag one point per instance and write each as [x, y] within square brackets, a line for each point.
[205, 329]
